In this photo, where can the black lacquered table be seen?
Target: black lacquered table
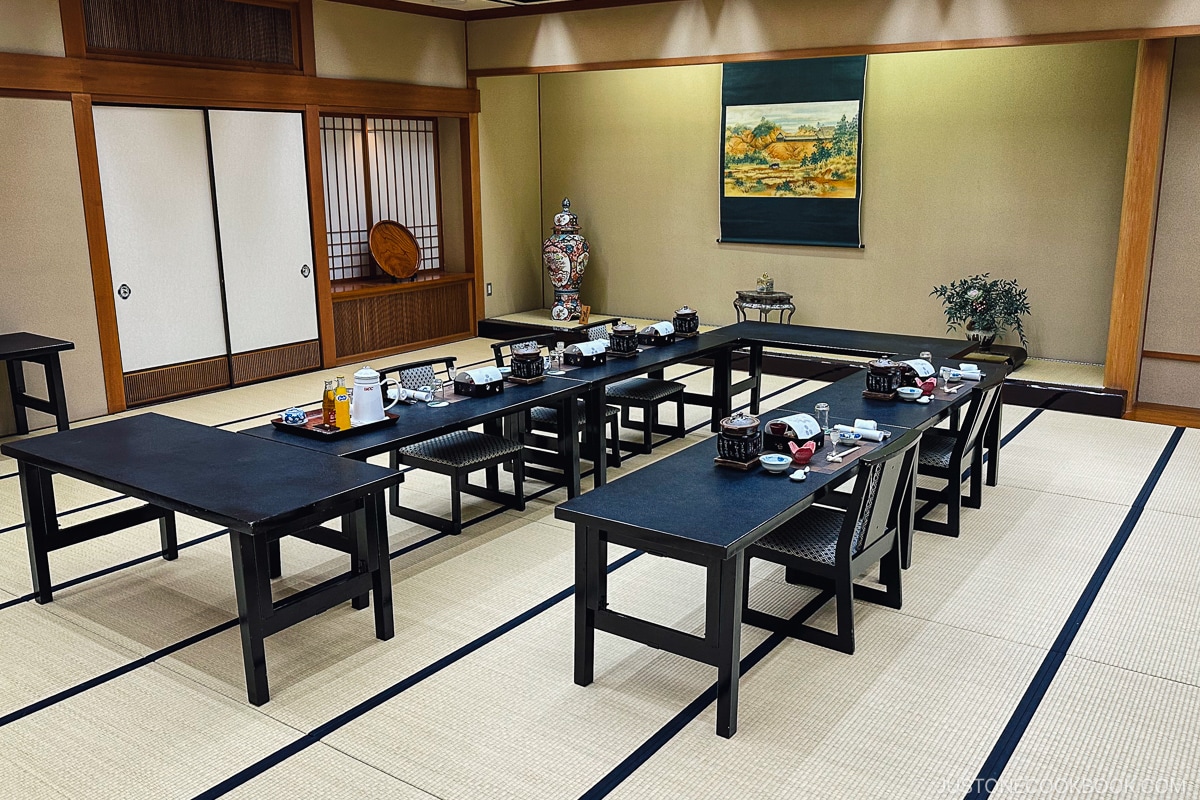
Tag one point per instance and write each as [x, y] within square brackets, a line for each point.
[16, 348]
[419, 422]
[259, 490]
[685, 507]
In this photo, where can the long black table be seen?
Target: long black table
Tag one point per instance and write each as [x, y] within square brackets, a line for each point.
[16, 348]
[419, 422]
[686, 508]
[259, 490]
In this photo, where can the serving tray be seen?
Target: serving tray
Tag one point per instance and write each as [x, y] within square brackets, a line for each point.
[314, 427]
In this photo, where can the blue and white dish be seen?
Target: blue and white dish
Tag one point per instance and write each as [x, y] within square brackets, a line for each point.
[775, 462]
[908, 392]
[294, 416]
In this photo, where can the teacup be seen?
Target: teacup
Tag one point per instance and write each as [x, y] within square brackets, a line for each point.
[778, 428]
[295, 416]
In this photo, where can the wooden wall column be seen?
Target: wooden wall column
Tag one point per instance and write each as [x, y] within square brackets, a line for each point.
[97, 237]
[1139, 211]
[320, 241]
[473, 207]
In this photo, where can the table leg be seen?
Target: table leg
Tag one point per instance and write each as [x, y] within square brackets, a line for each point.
[594, 434]
[41, 523]
[755, 370]
[55, 393]
[353, 526]
[274, 560]
[722, 386]
[254, 606]
[591, 577]
[568, 442]
[168, 537]
[727, 576]
[373, 548]
[992, 438]
[16, 388]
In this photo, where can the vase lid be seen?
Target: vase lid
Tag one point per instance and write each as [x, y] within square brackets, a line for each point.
[565, 221]
[739, 422]
[686, 311]
[526, 349]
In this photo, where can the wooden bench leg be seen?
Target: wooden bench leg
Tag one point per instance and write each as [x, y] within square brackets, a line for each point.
[16, 388]
[55, 393]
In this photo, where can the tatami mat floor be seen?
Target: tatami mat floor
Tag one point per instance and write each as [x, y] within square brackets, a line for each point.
[1053, 646]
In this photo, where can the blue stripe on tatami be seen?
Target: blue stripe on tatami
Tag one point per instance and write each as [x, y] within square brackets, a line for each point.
[309, 739]
[656, 742]
[1010, 737]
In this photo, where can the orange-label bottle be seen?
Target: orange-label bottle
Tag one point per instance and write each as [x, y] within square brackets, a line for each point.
[328, 406]
[341, 404]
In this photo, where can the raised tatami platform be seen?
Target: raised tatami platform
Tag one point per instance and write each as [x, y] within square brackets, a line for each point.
[1052, 645]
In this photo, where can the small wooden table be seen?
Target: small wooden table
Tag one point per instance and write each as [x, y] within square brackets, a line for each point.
[764, 303]
[259, 490]
[16, 348]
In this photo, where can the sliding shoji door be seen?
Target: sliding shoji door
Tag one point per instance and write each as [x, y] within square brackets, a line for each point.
[266, 242]
[162, 250]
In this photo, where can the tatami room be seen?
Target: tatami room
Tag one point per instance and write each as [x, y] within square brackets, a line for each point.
[193, 212]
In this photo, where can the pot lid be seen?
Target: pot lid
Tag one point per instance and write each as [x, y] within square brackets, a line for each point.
[623, 327]
[366, 374]
[526, 349]
[685, 312]
[741, 422]
[883, 365]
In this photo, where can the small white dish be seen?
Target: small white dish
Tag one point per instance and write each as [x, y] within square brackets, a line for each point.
[775, 463]
[909, 393]
[925, 400]
[556, 372]
[506, 370]
[799, 475]
[438, 404]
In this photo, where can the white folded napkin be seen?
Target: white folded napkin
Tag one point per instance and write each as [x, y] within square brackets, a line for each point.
[868, 434]
[590, 348]
[480, 375]
[660, 328]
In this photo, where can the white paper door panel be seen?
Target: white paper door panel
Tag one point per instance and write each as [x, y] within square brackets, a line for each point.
[161, 240]
[266, 242]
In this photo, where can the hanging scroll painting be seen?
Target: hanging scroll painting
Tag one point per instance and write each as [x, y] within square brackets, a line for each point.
[791, 152]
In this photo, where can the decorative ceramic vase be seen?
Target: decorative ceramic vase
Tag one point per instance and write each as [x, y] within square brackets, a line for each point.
[565, 255]
[986, 338]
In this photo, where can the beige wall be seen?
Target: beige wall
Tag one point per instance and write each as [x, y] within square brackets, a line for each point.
[1173, 310]
[1009, 161]
[44, 265]
[376, 44]
[715, 27]
[31, 26]
[509, 171]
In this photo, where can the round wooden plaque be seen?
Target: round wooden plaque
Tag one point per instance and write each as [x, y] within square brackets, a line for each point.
[395, 248]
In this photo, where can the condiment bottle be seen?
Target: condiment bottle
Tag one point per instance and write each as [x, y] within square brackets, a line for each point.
[341, 404]
[328, 407]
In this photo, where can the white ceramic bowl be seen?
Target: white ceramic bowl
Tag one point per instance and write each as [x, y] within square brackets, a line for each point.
[775, 462]
[908, 392]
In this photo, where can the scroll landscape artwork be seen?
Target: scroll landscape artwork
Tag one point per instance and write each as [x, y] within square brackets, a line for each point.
[791, 151]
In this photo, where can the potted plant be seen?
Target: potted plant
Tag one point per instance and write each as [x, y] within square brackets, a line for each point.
[986, 308]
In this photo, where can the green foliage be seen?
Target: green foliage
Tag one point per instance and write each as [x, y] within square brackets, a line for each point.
[738, 130]
[764, 128]
[785, 188]
[981, 304]
[759, 186]
[752, 157]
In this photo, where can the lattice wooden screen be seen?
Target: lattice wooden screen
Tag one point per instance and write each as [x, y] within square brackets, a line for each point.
[376, 169]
